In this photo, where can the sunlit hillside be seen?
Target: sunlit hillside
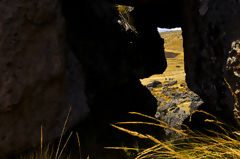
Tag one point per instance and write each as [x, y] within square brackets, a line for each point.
[173, 44]
[173, 41]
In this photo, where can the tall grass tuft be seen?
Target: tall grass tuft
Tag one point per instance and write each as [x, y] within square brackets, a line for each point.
[192, 144]
[49, 153]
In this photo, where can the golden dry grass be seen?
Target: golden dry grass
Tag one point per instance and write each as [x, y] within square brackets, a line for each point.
[192, 145]
[49, 153]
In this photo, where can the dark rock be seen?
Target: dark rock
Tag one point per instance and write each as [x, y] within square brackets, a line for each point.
[176, 110]
[40, 78]
[172, 109]
[182, 84]
[209, 29]
[154, 84]
[233, 70]
[171, 83]
[112, 65]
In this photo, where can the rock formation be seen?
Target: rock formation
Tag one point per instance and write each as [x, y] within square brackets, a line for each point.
[54, 54]
[40, 77]
[209, 28]
[113, 61]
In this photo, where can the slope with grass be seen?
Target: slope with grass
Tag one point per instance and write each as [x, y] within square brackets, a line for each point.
[173, 41]
[175, 100]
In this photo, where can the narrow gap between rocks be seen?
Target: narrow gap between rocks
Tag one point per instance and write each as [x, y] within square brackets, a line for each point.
[175, 100]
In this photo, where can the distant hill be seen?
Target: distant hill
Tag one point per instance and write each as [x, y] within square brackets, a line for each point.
[173, 41]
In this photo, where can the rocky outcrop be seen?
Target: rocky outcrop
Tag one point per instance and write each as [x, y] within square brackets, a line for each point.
[113, 61]
[232, 68]
[175, 103]
[209, 28]
[40, 78]
[59, 53]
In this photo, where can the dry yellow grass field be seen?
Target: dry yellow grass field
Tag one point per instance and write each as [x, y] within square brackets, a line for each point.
[173, 41]
[173, 44]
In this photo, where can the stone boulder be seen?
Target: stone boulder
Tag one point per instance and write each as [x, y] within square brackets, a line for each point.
[54, 54]
[209, 29]
[113, 61]
[40, 78]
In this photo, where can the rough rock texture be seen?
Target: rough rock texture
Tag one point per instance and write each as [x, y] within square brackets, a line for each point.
[175, 104]
[175, 101]
[39, 79]
[233, 70]
[209, 28]
[40, 76]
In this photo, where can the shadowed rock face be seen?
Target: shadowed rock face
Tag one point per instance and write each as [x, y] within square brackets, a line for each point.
[40, 78]
[113, 61]
[59, 53]
[209, 29]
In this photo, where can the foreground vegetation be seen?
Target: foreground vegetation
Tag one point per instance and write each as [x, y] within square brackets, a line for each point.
[191, 144]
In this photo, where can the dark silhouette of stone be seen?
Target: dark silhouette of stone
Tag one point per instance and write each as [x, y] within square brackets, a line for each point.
[232, 68]
[154, 84]
[54, 54]
[113, 61]
[40, 78]
[209, 28]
